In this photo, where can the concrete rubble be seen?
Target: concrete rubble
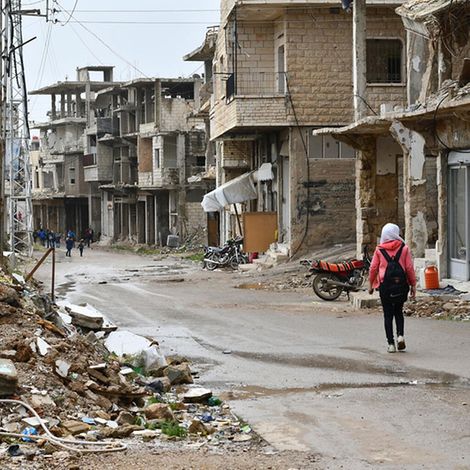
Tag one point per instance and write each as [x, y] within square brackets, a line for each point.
[118, 387]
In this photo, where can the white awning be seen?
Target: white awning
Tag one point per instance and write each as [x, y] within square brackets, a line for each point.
[240, 189]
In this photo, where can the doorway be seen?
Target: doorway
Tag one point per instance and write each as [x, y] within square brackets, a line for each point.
[459, 220]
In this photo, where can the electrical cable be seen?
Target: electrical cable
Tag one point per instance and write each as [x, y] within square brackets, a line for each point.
[436, 134]
[86, 45]
[105, 44]
[64, 443]
[308, 170]
[176, 22]
[71, 13]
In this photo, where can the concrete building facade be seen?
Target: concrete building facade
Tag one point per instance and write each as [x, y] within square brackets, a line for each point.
[159, 165]
[62, 196]
[280, 71]
[126, 159]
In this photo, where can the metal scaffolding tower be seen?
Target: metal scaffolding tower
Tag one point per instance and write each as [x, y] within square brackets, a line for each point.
[17, 169]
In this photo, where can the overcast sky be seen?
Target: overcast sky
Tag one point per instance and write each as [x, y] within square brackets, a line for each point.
[153, 49]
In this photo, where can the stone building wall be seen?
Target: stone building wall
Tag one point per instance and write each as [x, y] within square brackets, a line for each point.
[330, 203]
[319, 63]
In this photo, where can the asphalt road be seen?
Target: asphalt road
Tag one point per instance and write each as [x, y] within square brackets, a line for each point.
[306, 374]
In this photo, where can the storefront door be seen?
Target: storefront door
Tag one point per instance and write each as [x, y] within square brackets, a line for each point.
[459, 220]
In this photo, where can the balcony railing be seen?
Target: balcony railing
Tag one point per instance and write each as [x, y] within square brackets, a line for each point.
[256, 84]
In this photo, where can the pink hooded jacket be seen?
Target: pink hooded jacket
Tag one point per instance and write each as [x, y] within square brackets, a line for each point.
[379, 263]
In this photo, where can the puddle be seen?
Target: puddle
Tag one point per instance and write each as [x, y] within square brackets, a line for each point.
[254, 286]
[65, 288]
[253, 392]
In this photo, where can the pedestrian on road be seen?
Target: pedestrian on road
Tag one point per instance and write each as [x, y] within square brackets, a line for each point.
[68, 246]
[50, 239]
[392, 273]
[89, 236]
[42, 236]
[81, 246]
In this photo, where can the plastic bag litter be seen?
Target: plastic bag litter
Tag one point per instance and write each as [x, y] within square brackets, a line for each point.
[153, 358]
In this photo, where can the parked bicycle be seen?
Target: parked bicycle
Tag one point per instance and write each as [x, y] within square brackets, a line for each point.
[230, 254]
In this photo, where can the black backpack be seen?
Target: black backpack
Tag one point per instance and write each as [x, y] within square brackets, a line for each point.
[394, 286]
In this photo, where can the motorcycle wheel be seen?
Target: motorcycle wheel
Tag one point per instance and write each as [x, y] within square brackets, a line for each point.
[234, 262]
[321, 289]
[209, 264]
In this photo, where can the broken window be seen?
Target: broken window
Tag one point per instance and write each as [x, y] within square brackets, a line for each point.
[384, 60]
[72, 175]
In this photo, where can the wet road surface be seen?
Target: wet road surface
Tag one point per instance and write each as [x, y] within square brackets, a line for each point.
[306, 374]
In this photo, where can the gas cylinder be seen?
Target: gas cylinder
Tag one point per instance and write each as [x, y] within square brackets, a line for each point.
[431, 278]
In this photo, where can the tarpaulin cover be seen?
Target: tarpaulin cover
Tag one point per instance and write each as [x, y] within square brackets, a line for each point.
[238, 190]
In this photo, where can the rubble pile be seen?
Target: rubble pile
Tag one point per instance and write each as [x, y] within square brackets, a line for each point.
[439, 307]
[89, 381]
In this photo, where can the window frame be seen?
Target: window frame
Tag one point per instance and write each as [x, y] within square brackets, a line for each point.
[72, 172]
[402, 81]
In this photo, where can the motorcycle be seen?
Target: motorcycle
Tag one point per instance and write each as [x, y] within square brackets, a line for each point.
[331, 279]
[229, 255]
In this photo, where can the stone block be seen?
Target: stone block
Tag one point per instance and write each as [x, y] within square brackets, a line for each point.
[363, 299]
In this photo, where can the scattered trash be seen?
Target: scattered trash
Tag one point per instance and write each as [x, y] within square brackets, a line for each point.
[214, 401]
[14, 451]
[126, 343]
[29, 431]
[94, 383]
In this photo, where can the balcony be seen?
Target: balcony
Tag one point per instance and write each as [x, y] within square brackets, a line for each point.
[102, 125]
[97, 168]
[67, 148]
[252, 100]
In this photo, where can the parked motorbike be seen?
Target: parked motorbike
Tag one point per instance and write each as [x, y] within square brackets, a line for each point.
[229, 255]
[331, 279]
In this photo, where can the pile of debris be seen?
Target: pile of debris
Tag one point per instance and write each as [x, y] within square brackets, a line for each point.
[74, 375]
[445, 308]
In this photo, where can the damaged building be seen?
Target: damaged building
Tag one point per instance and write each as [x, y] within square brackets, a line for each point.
[280, 71]
[159, 166]
[127, 159]
[422, 181]
[62, 196]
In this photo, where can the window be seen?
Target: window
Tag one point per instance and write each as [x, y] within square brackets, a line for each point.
[281, 76]
[325, 146]
[200, 161]
[156, 156]
[384, 60]
[72, 175]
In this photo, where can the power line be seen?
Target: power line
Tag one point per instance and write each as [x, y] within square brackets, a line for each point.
[149, 11]
[205, 23]
[72, 12]
[105, 44]
[86, 45]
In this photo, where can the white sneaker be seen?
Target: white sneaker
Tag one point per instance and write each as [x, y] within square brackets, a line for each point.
[401, 343]
[391, 348]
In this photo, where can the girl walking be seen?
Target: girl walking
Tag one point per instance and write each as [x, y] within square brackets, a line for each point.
[392, 272]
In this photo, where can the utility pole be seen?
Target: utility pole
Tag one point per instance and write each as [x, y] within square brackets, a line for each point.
[15, 132]
[359, 58]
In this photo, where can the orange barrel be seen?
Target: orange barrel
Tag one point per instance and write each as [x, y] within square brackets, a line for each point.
[431, 278]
